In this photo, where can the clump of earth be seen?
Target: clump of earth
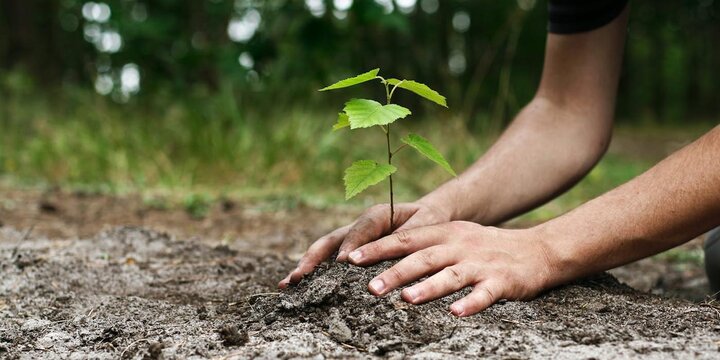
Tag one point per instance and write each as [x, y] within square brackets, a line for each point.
[134, 293]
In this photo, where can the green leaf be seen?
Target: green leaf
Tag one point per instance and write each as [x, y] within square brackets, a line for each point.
[423, 146]
[353, 80]
[365, 113]
[420, 89]
[342, 121]
[363, 174]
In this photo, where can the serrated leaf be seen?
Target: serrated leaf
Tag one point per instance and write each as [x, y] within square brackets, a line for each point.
[363, 174]
[342, 121]
[420, 89]
[424, 147]
[365, 113]
[353, 80]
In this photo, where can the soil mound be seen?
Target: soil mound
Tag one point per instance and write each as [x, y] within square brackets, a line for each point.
[335, 299]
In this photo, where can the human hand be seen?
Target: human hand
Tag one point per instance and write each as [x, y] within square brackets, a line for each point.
[370, 226]
[497, 263]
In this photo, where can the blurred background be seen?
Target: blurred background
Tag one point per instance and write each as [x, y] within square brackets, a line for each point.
[215, 98]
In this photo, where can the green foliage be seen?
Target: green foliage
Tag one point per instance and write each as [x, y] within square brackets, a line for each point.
[363, 174]
[197, 206]
[420, 89]
[370, 75]
[424, 147]
[342, 121]
[364, 113]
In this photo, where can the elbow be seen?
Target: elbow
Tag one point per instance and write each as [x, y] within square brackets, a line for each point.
[582, 131]
[591, 145]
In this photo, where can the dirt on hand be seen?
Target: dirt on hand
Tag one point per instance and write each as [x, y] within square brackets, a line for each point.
[133, 293]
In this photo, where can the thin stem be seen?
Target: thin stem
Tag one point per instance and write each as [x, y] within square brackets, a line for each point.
[388, 95]
[393, 89]
[398, 149]
[392, 202]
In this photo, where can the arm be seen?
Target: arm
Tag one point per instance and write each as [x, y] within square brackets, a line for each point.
[671, 203]
[554, 141]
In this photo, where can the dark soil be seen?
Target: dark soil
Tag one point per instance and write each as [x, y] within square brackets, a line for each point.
[140, 294]
[279, 226]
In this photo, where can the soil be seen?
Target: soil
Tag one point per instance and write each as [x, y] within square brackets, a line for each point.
[136, 292]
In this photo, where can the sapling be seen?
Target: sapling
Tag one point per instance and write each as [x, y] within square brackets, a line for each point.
[365, 113]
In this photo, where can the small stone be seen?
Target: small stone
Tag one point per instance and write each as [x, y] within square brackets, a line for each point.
[154, 351]
[270, 318]
[231, 336]
[337, 328]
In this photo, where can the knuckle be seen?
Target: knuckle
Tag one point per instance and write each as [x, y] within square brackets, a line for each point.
[456, 276]
[402, 237]
[396, 274]
[488, 295]
[426, 259]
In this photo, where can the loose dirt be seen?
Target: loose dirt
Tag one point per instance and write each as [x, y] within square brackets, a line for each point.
[134, 293]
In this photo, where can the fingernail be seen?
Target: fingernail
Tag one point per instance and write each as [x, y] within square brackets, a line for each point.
[340, 255]
[377, 285]
[412, 294]
[457, 309]
[355, 256]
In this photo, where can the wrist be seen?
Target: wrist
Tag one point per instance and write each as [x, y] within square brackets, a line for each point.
[556, 250]
[442, 202]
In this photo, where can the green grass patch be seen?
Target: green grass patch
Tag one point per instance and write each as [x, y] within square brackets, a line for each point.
[202, 148]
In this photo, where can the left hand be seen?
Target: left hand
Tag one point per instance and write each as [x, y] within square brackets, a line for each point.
[497, 263]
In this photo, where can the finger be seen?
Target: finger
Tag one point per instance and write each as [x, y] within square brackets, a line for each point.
[318, 252]
[483, 295]
[283, 284]
[370, 226]
[447, 281]
[373, 224]
[399, 244]
[411, 268]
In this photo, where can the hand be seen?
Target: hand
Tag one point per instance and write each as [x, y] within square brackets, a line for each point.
[497, 263]
[370, 226]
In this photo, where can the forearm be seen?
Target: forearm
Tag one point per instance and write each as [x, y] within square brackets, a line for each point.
[545, 151]
[554, 141]
[673, 202]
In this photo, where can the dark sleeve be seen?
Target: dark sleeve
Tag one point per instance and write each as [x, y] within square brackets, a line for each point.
[575, 16]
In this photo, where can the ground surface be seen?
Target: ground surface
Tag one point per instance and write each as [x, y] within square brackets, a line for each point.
[132, 292]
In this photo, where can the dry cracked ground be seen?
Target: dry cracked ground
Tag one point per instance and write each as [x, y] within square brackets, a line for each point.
[90, 276]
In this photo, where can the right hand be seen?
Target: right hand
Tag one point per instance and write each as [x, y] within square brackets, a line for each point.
[373, 224]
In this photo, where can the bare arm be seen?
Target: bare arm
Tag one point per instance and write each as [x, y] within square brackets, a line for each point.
[554, 141]
[671, 203]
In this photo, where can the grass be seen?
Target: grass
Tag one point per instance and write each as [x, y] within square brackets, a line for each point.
[209, 147]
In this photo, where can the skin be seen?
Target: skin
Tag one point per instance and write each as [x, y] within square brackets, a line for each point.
[553, 142]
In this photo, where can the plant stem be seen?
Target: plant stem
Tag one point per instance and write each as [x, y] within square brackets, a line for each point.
[398, 149]
[390, 155]
[388, 95]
